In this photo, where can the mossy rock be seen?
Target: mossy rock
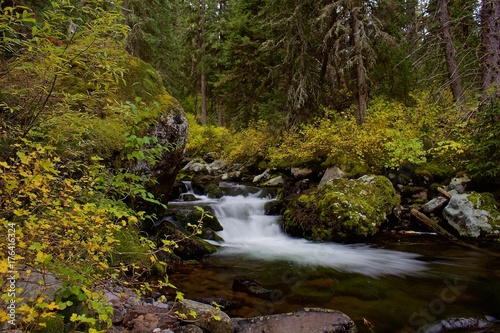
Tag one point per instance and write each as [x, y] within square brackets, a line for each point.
[135, 251]
[486, 201]
[344, 210]
[187, 246]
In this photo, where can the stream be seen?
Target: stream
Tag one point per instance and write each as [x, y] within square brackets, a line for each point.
[405, 285]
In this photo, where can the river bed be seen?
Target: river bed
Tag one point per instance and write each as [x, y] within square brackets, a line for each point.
[403, 285]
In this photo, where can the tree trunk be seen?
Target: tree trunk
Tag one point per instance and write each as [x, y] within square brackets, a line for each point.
[450, 53]
[203, 74]
[490, 39]
[220, 112]
[361, 76]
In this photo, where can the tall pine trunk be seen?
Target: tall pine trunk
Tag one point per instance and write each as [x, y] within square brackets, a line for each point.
[490, 39]
[203, 73]
[450, 53]
[361, 76]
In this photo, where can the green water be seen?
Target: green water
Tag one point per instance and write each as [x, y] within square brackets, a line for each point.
[457, 282]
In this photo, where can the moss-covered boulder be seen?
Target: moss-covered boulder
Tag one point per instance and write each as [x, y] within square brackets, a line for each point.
[343, 210]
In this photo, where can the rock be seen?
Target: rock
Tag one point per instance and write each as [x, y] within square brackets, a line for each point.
[188, 197]
[435, 205]
[145, 318]
[188, 329]
[276, 181]
[207, 317]
[467, 217]
[301, 172]
[330, 174]
[35, 284]
[219, 301]
[188, 246]
[458, 184]
[263, 176]
[171, 130]
[117, 317]
[302, 321]
[197, 166]
[208, 185]
[254, 288]
[342, 210]
[456, 324]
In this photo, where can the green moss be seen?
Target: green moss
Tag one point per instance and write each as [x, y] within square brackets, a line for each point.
[486, 201]
[437, 172]
[135, 252]
[52, 325]
[344, 210]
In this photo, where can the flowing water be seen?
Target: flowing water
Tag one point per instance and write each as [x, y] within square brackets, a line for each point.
[400, 288]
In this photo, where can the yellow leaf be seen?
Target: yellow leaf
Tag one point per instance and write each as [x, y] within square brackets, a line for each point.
[53, 306]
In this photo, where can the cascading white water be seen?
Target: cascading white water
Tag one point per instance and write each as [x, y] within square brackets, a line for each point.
[248, 232]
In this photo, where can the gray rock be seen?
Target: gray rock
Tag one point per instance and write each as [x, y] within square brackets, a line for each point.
[207, 317]
[35, 284]
[263, 176]
[330, 174]
[466, 219]
[198, 167]
[458, 184]
[455, 324]
[435, 204]
[310, 320]
[301, 172]
[189, 329]
[276, 181]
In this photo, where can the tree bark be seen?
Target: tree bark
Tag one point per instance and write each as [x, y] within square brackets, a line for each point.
[450, 53]
[203, 74]
[490, 40]
[361, 76]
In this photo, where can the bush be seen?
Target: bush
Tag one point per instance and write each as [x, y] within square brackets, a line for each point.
[392, 134]
[206, 139]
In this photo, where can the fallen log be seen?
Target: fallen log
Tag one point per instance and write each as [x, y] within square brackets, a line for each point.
[444, 192]
[433, 225]
[440, 231]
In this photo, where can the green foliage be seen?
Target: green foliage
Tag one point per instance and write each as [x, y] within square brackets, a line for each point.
[393, 134]
[251, 145]
[206, 139]
[62, 121]
[344, 210]
[485, 147]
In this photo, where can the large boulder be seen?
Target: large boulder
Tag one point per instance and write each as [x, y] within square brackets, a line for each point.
[205, 316]
[472, 214]
[301, 321]
[343, 210]
[171, 129]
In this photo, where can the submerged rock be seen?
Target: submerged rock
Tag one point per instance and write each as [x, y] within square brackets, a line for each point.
[310, 320]
[254, 288]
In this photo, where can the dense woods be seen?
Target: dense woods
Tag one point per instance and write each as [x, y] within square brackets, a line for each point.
[365, 85]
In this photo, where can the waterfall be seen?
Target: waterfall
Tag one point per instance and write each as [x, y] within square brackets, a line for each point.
[249, 233]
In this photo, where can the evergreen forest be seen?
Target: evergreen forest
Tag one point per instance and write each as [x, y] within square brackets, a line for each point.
[86, 87]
